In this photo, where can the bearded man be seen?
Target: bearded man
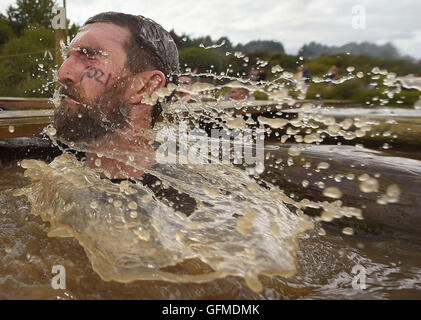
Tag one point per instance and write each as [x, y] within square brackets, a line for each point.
[114, 64]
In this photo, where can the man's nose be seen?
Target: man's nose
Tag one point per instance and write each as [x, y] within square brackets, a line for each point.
[70, 71]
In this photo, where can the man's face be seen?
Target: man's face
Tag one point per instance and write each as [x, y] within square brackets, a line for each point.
[238, 93]
[94, 77]
[184, 81]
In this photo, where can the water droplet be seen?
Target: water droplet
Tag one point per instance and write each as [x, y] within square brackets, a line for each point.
[11, 129]
[143, 234]
[133, 214]
[294, 151]
[393, 193]
[322, 232]
[51, 131]
[146, 198]
[350, 176]
[284, 138]
[254, 283]
[94, 205]
[364, 177]
[323, 165]
[98, 162]
[311, 138]
[333, 129]
[370, 185]
[332, 192]
[132, 205]
[346, 124]
[348, 231]
[277, 68]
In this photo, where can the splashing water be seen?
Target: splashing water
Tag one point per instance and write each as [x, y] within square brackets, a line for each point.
[240, 224]
[242, 230]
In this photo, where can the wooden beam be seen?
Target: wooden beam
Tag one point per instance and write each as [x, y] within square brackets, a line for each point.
[13, 103]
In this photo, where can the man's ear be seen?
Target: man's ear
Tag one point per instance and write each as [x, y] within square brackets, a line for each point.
[143, 84]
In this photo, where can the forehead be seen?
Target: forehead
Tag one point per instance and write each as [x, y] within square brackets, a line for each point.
[107, 37]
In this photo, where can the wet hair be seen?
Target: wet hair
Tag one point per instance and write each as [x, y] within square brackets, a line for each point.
[150, 47]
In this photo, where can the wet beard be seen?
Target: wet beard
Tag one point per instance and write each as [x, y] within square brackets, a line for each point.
[83, 123]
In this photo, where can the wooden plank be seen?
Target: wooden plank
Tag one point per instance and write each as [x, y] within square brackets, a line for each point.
[22, 130]
[27, 120]
[19, 114]
[14, 103]
[242, 104]
[24, 123]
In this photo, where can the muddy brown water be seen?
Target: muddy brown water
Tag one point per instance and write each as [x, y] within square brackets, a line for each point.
[328, 265]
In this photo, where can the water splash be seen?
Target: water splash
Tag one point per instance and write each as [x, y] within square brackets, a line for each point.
[241, 225]
[232, 235]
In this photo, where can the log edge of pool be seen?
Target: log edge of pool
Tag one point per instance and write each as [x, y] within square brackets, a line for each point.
[401, 217]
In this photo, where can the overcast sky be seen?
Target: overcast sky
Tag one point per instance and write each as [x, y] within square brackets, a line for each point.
[293, 22]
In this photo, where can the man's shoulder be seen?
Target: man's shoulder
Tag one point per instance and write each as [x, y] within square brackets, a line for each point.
[170, 196]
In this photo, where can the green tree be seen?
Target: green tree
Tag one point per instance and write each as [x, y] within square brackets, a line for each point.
[27, 58]
[25, 69]
[72, 30]
[261, 45]
[6, 31]
[30, 12]
[203, 59]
